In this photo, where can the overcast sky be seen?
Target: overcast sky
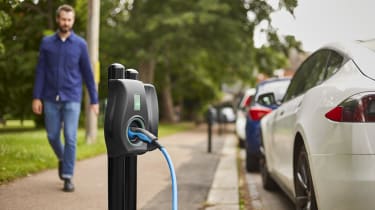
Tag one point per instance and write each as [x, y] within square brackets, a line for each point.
[318, 22]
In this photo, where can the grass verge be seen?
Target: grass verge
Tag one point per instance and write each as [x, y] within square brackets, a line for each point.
[26, 152]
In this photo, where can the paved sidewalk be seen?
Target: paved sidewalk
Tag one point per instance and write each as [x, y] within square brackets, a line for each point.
[203, 179]
[224, 194]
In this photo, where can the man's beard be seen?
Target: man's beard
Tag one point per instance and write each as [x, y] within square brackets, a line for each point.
[65, 29]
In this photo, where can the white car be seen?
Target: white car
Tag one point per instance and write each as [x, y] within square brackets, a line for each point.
[227, 114]
[241, 115]
[319, 145]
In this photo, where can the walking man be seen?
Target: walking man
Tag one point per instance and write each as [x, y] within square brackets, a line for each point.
[62, 67]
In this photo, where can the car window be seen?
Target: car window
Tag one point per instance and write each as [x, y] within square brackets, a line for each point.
[267, 99]
[277, 87]
[334, 64]
[293, 87]
[308, 75]
[315, 71]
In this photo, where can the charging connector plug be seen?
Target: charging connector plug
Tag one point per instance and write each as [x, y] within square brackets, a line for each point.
[142, 134]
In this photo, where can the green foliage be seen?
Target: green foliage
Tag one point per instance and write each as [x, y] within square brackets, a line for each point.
[269, 59]
[289, 5]
[22, 26]
[5, 22]
[261, 9]
[197, 45]
[283, 44]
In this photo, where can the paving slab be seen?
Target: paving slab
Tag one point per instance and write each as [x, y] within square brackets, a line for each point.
[224, 190]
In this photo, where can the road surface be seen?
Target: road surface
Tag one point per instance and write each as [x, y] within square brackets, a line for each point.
[262, 199]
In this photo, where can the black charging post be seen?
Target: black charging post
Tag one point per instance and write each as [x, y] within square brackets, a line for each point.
[211, 117]
[130, 104]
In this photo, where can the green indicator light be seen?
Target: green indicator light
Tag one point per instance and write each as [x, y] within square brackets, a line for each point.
[137, 102]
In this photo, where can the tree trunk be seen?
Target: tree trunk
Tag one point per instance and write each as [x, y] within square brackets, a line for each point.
[51, 15]
[93, 47]
[167, 101]
[147, 71]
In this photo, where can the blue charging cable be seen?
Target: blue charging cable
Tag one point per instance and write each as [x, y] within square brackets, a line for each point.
[149, 138]
[173, 177]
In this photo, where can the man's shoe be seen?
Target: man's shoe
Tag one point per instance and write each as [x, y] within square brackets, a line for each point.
[60, 169]
[68, 185]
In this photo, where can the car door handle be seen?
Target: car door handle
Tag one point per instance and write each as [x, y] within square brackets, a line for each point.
[281, 113]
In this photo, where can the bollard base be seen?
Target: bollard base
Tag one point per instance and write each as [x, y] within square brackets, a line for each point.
[122, 183]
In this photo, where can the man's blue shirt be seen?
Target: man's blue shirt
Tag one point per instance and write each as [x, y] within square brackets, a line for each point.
[62, 66]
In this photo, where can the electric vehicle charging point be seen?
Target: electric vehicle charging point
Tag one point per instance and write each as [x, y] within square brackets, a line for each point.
[131, 129]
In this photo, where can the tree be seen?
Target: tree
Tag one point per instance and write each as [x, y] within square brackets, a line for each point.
[26, 23]
[188, 48]
[5, 22]
[93, 47]
[18, 60]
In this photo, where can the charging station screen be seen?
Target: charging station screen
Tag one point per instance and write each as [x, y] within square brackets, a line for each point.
[137, 102]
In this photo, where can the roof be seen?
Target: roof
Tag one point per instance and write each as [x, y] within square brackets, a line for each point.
[362, 53]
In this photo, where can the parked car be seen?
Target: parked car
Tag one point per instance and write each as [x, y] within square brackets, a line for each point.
[319, 145]
[227, 114]
[267, 96]
[241, 114]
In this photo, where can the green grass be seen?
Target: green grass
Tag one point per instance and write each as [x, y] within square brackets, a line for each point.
[18, 124]
[168, 129]
[27, 152]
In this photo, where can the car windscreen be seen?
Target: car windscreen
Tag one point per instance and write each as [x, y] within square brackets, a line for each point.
[278, 87]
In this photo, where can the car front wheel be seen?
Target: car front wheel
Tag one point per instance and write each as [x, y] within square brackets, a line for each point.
[305, 195]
